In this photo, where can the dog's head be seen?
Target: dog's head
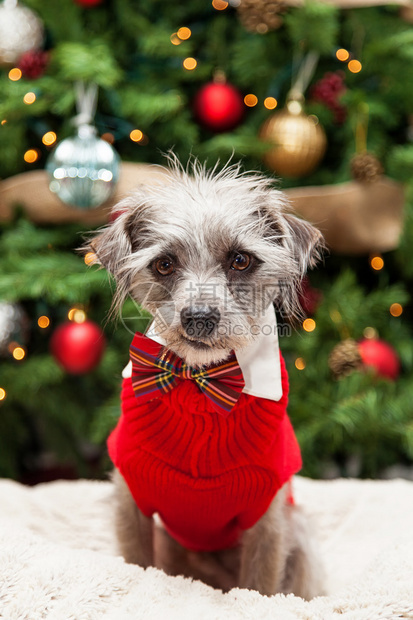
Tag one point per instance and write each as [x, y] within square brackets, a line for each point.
[206, 253]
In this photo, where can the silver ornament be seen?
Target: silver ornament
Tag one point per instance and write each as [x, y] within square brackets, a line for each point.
[84, 169]
[13, 326]
[20, 31]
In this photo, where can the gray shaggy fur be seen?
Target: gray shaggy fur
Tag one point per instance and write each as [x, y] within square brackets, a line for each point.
[200, 218]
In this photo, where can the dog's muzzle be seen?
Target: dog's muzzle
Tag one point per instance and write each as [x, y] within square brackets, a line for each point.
[199, 321]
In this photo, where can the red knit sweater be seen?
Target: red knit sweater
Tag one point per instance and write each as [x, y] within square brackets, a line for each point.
[208, 477]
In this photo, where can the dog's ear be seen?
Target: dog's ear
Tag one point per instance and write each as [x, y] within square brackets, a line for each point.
[304, 240]
[112, 247]
[112, 244]
[117, 241]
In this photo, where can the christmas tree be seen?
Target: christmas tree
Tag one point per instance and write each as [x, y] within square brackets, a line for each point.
[317, 95]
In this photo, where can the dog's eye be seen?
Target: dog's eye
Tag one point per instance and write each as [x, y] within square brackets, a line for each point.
[241, 262]
[165, 266]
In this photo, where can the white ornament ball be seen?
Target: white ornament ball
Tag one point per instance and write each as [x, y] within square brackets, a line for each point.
[13, 325]
[20, 31]
[83, 170]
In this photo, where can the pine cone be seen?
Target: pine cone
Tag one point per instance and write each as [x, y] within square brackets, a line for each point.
[344, 358]
[366, 168]
[261, 15]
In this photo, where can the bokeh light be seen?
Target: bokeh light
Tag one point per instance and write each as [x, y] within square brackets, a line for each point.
[136, 135]
[396, 309]
[184, 33]
[31, 156]
[78, 315]
[300, 363]
[370, 333]
[175, 40]
[354, 66]
[43, 321]
[342, 54]
[29, 98]
[15, 74]
[219, 5]
[49, 138]
[270, 103]
[19, 353]
[377, 263]
[108, 137]
[90, 258]
[250, 100]
[309, 325]
[189, 63]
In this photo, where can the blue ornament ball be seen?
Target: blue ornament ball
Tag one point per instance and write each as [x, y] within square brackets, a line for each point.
[83, 169]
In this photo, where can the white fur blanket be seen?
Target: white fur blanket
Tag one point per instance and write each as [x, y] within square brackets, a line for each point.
[58, 559]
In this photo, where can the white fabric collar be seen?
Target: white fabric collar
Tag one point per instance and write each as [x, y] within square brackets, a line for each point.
[259, 362]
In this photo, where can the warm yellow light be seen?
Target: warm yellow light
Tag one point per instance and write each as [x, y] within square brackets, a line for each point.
[377, 263]
[29, 98]
[3, 122]
[15, 74]
[49, 138]
[90, 258]
[184, 33]
[270, 103]
[136, 135]
[78, 315]
[19, 353]
[250, 100]
[108, 137]
[309, 325]
[175, 40]
[354, 66]
[342, 54]
[299, 363]
[370, 333]
[219, 5]
[2, 393]
[31, 156]
[189, 63]
[43, 321]
[396, 309]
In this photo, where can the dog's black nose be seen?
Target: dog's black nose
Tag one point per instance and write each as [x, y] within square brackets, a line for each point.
[199, 321]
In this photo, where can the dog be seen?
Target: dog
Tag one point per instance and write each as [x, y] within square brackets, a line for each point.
[209, 254]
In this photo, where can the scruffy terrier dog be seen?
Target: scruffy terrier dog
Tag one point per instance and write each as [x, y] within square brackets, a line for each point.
[204, 439]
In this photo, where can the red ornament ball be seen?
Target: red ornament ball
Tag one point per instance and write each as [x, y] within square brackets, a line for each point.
[88, 3]
[328, 90]
[33, 64]
[380, 356]
[219, 106]
[78, 347]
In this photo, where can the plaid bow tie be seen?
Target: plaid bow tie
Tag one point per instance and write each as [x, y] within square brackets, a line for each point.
[156, 371]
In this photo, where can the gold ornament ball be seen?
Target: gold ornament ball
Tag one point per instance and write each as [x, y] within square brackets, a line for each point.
[300, 142]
